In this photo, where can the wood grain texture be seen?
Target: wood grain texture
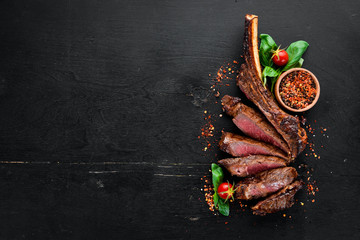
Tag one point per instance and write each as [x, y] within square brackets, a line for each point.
[102, 102]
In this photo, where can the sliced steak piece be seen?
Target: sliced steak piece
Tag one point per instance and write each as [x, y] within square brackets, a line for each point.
[252, 123]
[278, 201]
[249, 81]
[265, 183]
[250, 165]
[240, 146]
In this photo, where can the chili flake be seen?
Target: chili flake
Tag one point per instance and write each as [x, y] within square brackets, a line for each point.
[298, 89]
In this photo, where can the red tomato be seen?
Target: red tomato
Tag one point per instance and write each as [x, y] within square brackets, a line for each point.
[280, 57]
[225, 190]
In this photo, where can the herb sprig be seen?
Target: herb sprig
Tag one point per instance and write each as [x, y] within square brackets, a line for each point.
[217, 178]
[271, 72]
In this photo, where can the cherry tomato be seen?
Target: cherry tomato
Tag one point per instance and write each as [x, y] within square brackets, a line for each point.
[226, 190]
[280, 57]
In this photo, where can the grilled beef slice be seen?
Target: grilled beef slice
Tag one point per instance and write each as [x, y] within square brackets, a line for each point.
[250, 165]
[249, 81]
[265, 183]
[252, 123]
[240, 146]
[278, 201]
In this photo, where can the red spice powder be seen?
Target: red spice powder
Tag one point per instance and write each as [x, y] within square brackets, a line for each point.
[221, 79]
[225, 73]
[209, 195]
[207, 131]
[298, 89]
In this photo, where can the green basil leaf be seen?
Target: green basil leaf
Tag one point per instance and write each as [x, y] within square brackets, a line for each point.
[224, 207]
[295, 52]
[273, 81]
[217, 179]
[266, 45]
[299, 63]
[216, 199]
[269, 72]
[217, 176]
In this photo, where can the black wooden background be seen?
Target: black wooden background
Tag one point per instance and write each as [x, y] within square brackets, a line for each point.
[102, 103]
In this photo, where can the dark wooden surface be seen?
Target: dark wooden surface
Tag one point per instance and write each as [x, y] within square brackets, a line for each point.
[102, 102]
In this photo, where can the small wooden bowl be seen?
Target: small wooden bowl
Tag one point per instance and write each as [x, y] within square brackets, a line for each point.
[277, 92]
